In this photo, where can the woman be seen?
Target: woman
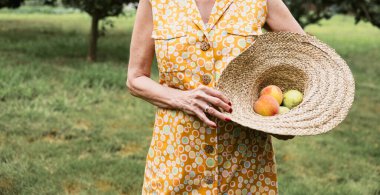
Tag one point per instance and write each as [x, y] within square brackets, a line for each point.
[195, 148]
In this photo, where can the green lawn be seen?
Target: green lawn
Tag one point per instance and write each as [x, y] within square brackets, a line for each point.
[67, 126]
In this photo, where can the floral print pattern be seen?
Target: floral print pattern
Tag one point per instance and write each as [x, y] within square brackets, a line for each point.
[185, 155]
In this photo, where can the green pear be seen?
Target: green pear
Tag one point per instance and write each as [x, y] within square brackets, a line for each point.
[292, 98]
[283, 110]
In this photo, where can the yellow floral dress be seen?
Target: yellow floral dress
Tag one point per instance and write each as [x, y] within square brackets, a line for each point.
[186, 156]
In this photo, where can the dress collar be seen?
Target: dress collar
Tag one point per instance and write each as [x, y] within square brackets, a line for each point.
[220, 6]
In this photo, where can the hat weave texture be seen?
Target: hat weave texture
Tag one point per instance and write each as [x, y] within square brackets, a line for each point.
[290, 61]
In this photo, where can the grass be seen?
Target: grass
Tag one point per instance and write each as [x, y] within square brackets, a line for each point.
[70, 127]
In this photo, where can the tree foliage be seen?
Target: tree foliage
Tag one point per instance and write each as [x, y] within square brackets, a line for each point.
[305, 12]
[11, 3]
[98, 10]
[311, 11]
[366, 10]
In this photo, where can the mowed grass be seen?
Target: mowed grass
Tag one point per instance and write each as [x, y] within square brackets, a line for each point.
[71, 127]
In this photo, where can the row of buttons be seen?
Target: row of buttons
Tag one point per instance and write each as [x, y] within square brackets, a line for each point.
[208, 179]
[205, 45]
[206, 79]
[209, 149]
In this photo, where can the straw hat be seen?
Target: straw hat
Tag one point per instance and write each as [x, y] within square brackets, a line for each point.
[289, 61]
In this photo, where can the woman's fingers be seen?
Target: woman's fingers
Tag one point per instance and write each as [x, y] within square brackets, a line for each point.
[215, 93]
[201, 98]
[201, 115]
[212, 111]
[216, 102]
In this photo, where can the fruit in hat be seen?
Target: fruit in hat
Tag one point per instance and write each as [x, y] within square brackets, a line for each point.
[292, 98]
[266, 105]
[283, 110]
[274, 91]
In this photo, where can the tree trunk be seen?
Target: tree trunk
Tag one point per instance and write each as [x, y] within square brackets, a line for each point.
[91, 56]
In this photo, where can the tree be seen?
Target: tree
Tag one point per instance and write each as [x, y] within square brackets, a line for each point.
[10, 3]
[49, 2]
[366, 10]
[98, 10]
[311, 11]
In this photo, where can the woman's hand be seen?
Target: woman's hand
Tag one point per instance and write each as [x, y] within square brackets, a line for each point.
[200, 99]
[282, 137]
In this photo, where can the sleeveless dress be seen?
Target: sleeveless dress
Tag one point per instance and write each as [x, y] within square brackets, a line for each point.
[186, 156]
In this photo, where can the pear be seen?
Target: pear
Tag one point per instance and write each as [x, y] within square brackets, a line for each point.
[292, 98]
[283, 110]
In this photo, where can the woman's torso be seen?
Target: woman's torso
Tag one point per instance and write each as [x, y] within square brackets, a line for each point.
[186, 156]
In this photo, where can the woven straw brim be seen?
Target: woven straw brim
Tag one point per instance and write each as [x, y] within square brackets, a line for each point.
[290, 61]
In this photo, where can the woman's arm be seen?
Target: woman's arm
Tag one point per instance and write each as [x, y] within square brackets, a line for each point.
[141, 85]
[279, 18]
[140, 60]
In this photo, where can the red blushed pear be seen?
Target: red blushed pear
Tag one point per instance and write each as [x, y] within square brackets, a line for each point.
[266, 105]
[274, 91]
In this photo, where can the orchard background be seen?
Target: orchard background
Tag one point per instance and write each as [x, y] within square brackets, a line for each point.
[69, 126]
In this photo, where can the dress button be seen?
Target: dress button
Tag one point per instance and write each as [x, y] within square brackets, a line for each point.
[205, 45]
[208, 179]
[209, 149]
[206, 79]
